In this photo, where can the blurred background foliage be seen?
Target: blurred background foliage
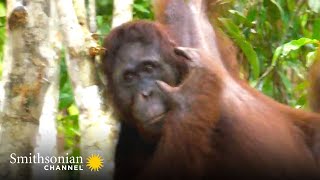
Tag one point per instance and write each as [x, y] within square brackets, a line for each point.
[277, 39]
[2, 31]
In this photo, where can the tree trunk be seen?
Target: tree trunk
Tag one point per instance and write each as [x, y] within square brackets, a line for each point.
[92, 16]
[98, 130]
[122, 12]
[30, 76]
[47, 137]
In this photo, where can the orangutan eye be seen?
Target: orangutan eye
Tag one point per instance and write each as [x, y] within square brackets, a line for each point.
[129, 77]
[148, 68]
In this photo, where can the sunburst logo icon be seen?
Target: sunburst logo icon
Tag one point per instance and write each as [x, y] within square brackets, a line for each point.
[95, 162]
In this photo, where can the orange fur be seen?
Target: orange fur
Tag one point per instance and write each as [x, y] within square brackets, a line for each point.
[189, 26]
[230, 130]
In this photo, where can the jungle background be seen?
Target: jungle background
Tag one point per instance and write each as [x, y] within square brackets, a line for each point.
[277, 42]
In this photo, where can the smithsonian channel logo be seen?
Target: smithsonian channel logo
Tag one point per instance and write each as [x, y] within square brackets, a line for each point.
[60, 163]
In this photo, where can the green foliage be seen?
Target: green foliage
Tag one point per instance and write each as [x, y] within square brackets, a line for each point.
[104, 16]
[142, 9]
[279, 39]
[2, 31]
[245, 46]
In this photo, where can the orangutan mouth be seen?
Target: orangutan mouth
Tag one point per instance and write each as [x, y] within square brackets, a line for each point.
[157, 118]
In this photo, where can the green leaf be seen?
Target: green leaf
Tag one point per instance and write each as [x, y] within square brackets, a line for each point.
[2, 21]
[65, 100]
[285, 49]
[2, 10]
[316, 29]
[73, 110]
[314, 5]
[278, 6]
[304, 20]
[238, 15]
[291, 4]
[276, 55]
[274, 9]
[70, 118]
[141, 8]
[104, 25]
[296, 44]
[252, 14]
[245, 46]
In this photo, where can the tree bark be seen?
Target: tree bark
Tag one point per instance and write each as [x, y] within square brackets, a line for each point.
[92, 16]
[30, 69]
[122, 12]
[47, 136]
